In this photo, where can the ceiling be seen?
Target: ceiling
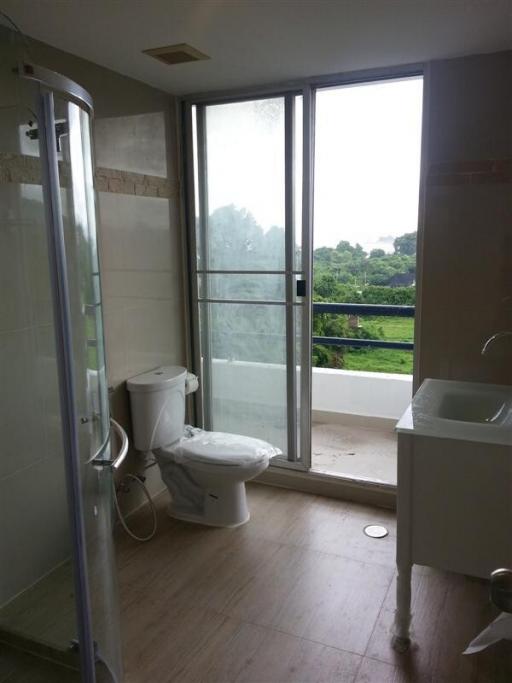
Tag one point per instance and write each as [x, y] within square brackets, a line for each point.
[253, 42]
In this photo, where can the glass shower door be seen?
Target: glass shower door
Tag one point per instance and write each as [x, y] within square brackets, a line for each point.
[91, 392]
[66, 152]
[58, 598]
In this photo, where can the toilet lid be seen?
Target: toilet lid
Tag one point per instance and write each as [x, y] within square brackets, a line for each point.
[221, 448]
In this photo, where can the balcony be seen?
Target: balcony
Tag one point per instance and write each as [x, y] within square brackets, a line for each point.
[354, 412]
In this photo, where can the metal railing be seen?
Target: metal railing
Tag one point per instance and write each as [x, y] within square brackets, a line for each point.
[364, 310]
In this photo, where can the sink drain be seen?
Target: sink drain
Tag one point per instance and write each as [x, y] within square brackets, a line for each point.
[376, 531]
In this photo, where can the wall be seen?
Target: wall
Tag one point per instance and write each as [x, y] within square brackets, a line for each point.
[372, 394]
[467, 243]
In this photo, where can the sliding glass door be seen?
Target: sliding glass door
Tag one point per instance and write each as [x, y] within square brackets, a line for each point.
[249, 283]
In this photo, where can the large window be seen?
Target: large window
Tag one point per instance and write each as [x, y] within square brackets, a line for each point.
[367, 168]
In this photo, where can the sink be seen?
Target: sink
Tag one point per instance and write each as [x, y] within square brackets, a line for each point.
[478, 407]
[469, 411]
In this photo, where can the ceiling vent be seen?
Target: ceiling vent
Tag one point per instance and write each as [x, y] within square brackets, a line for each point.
[176, 54]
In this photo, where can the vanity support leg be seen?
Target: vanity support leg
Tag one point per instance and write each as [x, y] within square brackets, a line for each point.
[401, 637]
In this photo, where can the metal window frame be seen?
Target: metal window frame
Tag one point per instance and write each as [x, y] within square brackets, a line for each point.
[293, 455]
[205, 364]
[307, 87]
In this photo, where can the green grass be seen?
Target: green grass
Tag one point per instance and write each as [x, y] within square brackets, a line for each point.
[378, 360]
[394, 329]
[383, 360]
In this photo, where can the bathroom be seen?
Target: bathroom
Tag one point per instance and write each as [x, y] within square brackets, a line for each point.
[299, 592]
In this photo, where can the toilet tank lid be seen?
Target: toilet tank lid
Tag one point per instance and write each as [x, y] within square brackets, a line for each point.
[158, 379]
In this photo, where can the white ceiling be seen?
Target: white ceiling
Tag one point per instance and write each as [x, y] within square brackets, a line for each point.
[254, 42]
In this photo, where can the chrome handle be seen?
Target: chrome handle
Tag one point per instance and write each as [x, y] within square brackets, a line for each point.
[116, 462]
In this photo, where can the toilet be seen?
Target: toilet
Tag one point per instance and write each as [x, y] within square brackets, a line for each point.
[205, 472]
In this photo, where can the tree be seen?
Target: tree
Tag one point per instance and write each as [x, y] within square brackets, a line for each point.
[405, 245]
[377, 253]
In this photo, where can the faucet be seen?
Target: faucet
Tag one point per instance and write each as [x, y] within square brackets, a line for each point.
[491, 340]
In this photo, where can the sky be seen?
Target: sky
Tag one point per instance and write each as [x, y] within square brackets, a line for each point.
[367, 161]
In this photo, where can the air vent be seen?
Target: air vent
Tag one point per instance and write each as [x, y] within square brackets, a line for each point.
[176, 54]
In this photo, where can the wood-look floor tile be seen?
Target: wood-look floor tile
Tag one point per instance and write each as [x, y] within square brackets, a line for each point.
[338, 528]
[335, 602]
[161, 637]
[296, 595]
[167, 561]
[233, 576]
[449, 610]
[254, 654]
[281, 658]
[323, 524]
[373, 671]
[330, 599]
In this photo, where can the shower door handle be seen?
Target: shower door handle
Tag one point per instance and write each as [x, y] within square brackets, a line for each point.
[114, 463]
[123, 451]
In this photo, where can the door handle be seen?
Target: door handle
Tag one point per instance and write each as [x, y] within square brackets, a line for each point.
[301, 287]
[115, 463]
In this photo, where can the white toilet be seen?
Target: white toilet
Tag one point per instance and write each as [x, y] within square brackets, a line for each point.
[205, 472]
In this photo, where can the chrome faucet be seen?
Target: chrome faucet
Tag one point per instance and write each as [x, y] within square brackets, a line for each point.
[491, 340]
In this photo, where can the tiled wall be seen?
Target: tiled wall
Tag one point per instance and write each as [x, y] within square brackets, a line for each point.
[33, 516]
[467, 247]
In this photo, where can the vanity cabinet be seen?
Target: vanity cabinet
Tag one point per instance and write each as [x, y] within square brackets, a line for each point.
[454, 494]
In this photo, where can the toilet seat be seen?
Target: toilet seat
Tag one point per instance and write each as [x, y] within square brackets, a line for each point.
[219, 448]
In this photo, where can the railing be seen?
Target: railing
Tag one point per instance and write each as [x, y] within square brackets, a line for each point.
[364, 309]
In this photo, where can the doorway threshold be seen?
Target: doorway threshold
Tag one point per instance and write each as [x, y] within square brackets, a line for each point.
[331, 485]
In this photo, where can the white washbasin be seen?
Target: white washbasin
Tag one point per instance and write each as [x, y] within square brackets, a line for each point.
[473, 407]
[469, 411]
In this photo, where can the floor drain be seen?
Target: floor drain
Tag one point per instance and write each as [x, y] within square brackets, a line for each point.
[375, 531]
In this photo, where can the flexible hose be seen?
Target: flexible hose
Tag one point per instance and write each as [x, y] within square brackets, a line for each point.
[130, 533]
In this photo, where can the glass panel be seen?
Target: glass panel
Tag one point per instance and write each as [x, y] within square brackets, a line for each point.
[248, 369]
[367, 167]
[36, 589]
[78, 205]
[235, 286]
[239, 153]
[244, 158]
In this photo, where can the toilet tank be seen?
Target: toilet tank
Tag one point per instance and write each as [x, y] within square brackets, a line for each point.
[157, 400]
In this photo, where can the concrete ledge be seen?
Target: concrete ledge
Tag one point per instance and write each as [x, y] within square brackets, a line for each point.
[349, 419]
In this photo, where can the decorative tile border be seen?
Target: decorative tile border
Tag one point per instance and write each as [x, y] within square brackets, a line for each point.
[483, 172]
[21, 168]
[127, 182]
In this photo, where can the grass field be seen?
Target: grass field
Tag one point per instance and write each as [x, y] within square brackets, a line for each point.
[383, 360]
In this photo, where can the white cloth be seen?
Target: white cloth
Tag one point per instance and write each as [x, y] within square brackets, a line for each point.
[499, 629]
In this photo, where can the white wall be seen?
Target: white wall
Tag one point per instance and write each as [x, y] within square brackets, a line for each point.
[361, 393]
[249, 385]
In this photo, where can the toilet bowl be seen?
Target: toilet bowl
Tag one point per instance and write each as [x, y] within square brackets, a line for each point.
[205, 472]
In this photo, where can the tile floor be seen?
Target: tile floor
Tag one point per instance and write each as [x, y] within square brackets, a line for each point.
[298, 595]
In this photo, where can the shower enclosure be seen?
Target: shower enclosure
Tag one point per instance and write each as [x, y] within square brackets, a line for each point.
[58, 594]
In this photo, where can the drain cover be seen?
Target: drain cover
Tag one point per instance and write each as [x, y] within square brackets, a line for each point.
[375, 531]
